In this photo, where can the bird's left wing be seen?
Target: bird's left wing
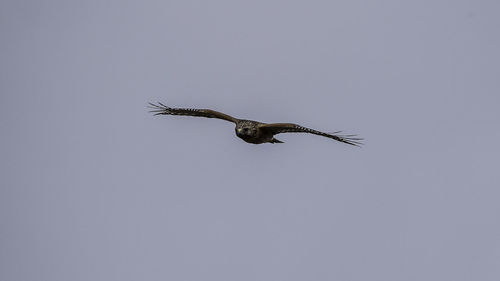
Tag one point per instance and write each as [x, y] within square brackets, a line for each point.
[278, 128]
[161, 109]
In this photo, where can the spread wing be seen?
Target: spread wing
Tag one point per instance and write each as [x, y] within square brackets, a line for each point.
[278, 128]
[161, 109]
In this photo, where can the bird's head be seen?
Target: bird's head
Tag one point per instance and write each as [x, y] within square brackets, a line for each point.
[246, 129]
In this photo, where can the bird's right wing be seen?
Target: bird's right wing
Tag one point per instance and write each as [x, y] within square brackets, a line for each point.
[161, 109]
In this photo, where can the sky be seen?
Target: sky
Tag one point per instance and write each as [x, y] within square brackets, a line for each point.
[93, 187]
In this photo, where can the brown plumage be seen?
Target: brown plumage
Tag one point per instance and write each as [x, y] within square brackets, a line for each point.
[253, 131]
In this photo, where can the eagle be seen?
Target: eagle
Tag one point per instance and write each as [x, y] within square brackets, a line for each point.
[253, 131]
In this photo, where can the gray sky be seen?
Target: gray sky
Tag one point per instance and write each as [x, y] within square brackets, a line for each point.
[93, 187]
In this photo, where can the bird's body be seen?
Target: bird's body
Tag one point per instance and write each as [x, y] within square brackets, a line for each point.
[253, 131]
[248, 130]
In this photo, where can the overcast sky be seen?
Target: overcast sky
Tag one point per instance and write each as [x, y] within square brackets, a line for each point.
[93, 187]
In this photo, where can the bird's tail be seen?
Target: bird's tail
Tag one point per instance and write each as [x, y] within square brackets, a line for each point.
[274, 140]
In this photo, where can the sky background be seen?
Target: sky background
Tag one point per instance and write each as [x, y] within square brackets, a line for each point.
[93, 187]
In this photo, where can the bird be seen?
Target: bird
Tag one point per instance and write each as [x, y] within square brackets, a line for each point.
[253, 131]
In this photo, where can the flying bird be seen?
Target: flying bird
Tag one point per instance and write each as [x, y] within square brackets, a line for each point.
[253, 131]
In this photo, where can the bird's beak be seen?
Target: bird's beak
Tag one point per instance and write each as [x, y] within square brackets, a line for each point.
[239, 130]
